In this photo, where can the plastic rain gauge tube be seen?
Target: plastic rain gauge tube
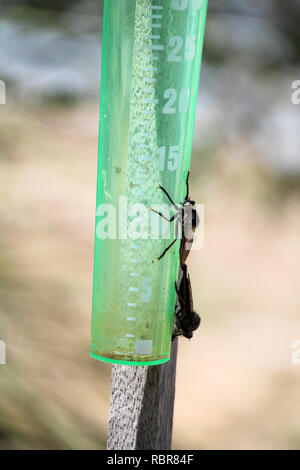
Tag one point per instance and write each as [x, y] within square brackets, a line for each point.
[151, 60]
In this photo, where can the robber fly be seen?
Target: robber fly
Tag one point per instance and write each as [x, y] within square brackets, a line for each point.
[186, 320]
[187, 216]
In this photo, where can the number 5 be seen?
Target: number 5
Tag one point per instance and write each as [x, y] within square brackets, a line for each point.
[190, 47]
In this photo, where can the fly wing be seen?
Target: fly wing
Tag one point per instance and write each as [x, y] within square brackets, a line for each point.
[185, 248]
[182, 291]
[190, 294]
[185, 289]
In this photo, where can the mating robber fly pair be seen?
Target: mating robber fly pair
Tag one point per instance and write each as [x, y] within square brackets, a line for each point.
[186, 320]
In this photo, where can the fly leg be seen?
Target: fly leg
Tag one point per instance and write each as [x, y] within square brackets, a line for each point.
[187, 187]
[174, 217]
[176, 330]
[163, 216]
[169, 197]
[167, 249]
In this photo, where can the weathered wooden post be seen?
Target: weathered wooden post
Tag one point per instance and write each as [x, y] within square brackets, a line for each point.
[150, 71]
[142, 404]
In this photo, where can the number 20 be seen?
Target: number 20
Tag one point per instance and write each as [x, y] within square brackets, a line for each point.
[171, 95]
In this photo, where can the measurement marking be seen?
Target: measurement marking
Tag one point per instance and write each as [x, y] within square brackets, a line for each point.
[134, 274]
[136, 247]
[142, 170]
[145, 146]
[156, 7]
[148, 90]
[142, 182]
[145, 157]
[131, 304]
[140, 195]
[153, 25]
[129, 336]
[136, 260]
[159, 17]
[145, 111]
[151, 57]
[149, 80]
[155, 36]
[156, 47]
[150, 101]
[150, 69]
[133, 289]
[131, 318]
[145, 134]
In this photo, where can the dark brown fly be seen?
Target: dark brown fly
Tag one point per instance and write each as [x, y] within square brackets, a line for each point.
[186, 320]
[186, 219]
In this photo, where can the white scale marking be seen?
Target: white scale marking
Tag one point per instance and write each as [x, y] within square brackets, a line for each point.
[146, 123]
[133, 289]
[149, 80]
[145, 146]
[145, 134]
[155, 36]
[152, 57]
[150, 69]
[150, 101]
[156, 47]
[148, 90]
[145, 158]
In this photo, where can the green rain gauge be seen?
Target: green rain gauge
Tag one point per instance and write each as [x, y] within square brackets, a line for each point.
[151, 60]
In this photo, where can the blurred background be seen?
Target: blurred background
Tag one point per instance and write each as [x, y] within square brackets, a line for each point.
[237, 387]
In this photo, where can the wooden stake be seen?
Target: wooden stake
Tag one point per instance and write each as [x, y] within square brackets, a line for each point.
[142, 405]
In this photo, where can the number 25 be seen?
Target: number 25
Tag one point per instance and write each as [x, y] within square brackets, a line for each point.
[177, 42]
